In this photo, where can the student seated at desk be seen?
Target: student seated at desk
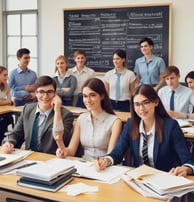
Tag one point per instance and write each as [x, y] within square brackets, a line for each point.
[177, 99]
[189, 80]
[153, 137]
[5, 99]
[98, 129]
[42, 124]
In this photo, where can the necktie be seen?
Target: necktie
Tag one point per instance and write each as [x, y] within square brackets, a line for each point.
[145, 149]
[172, 100]
[34, 138]
[118, 86]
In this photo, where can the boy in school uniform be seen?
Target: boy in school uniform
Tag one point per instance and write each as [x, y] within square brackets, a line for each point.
[43, 125]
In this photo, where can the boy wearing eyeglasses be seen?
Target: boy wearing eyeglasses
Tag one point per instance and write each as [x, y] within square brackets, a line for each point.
[43, 126]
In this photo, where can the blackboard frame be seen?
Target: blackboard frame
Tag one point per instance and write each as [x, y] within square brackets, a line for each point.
[162, 48]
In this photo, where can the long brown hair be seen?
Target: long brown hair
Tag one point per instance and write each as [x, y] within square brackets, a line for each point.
[160, 112]
[97, 85]
[3, 86]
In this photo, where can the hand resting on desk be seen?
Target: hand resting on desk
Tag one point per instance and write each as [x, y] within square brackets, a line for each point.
[103, 162]
[7, 148]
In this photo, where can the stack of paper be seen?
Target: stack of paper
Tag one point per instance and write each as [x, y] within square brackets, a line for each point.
[14, 157]
[154, 183]
[87, 169]
[50, 175]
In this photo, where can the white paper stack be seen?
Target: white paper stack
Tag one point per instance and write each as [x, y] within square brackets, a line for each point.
[154, 183]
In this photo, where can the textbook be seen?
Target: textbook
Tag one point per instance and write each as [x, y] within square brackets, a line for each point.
[47, 170]
[53, 188]
[53, 181]
[14, 157]
[154, 183]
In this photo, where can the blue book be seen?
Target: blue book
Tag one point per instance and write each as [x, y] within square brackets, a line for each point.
[53, 188]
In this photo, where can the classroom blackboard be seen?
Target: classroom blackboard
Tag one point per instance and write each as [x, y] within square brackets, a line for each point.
[100, 31]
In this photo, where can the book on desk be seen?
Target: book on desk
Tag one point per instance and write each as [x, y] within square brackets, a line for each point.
[154, 183]
[50, 175]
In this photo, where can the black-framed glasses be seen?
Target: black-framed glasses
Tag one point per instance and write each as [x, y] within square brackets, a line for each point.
[48, 92]
[144, 103]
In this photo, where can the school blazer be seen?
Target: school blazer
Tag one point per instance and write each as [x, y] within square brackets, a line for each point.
[23, 129]
[173, 151]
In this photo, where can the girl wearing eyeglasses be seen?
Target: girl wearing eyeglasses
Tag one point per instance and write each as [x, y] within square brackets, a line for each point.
[166, 145]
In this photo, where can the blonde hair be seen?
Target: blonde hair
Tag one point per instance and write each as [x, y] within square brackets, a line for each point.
[61, 57]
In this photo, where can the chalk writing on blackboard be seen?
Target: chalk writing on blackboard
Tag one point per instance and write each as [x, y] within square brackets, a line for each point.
[99, 32]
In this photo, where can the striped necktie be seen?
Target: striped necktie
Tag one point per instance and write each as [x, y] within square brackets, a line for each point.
[145, 149]
[34, 137]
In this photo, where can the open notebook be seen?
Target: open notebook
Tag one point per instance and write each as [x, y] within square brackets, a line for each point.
[14, 157]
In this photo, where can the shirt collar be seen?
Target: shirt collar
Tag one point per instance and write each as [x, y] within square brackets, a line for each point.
[76, 70]
[57, 74]
[122, 72]
[170, 90]
[19, 70]
[43, 113]
[100, 118]
[152, 130]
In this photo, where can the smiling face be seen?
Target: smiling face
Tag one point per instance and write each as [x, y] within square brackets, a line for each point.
[3, 76]
[144, 108]
[80, 60]
[118, 61]
[45, 95]
[146, 49]
[91, 99]
[190, 83]
[61, 66]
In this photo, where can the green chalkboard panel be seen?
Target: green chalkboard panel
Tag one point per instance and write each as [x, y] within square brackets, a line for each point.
[100, 31]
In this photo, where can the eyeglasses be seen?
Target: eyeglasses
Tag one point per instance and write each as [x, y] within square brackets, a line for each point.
[144, 103]
[50, 93]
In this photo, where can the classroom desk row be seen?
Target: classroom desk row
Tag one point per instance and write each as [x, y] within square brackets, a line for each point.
[119, 191]
[75, 110]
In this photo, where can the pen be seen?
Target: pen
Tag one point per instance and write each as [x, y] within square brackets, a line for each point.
[26, 165]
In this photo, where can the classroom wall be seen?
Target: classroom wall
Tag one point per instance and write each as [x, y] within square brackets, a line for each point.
[51, 30]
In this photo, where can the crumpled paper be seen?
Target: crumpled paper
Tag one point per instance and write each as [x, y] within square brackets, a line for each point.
[79, 188]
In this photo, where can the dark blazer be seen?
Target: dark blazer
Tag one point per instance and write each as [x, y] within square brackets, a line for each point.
[173, 151]
[23, 129]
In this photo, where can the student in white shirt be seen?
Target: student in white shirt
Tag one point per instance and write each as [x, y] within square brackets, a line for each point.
[120, 102]
[82, 73]
[183, 96]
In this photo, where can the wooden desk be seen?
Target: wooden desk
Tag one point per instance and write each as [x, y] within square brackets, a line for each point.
[5, 109]
[75, 110]
[107, 192]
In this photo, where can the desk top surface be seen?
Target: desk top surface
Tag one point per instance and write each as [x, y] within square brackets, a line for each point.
[75, 110]
[107, 192]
